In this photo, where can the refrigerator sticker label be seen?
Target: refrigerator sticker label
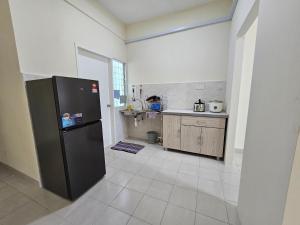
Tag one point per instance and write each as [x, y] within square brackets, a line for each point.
[69, 120]
[94, 88]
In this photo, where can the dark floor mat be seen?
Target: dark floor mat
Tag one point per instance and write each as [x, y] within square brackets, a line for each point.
[127, 147]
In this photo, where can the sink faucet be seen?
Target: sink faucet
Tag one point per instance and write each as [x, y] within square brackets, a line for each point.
[142, 103]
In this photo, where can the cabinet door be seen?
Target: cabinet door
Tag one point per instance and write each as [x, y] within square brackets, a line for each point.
[191, 138]
[171, 131]
[212, 141]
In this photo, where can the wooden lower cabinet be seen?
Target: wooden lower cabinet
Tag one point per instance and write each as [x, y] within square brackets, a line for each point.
[191, 138]
[212, 141]
[171, 131]
[179, 132]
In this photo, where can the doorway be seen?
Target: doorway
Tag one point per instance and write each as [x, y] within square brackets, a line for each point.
[96, 67]
[244, 48]
[244, 55]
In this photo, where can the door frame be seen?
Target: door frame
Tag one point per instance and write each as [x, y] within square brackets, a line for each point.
[238, 44]
[110, 81]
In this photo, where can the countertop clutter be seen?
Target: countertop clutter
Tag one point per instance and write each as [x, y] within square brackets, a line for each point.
[188, 112]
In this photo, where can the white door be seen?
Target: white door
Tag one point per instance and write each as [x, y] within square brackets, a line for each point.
[95, 67]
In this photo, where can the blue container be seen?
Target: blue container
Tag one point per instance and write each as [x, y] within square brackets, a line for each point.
[156, 106]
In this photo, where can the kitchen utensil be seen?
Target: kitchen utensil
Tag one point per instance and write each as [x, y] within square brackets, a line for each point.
[133, 95]
[199, 106]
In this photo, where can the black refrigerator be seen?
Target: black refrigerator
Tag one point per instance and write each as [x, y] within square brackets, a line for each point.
[65, 114]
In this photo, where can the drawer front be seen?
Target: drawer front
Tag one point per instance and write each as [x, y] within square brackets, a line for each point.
[203, 121]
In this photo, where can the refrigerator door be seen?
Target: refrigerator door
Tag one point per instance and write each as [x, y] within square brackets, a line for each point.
[78, 101]
[84, 155]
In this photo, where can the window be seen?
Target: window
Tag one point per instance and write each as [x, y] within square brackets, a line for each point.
[118, 71]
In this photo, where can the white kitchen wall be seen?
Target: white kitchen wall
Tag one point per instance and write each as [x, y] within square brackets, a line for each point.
[182, 95]
[47, 31]
[120, 127]
[16, 139]
[291, 212]
[98, 13]
[195, 55]
[203, 13]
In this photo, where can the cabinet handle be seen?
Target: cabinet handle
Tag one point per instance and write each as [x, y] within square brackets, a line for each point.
[200, 123]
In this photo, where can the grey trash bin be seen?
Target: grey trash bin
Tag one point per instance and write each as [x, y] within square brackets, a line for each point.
[152, 137]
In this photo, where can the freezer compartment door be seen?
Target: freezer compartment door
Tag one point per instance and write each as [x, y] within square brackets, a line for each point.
[78, 101]
[84, 157]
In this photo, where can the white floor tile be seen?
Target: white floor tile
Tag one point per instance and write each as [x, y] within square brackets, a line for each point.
[150, 210]
[167, 177]
[106, 192]
[211, 187]
[184, 197]
[149, 172]
[171, 166]
[112, 216]
[139, 183]
[51, 219]
[157, 162]
[160, 155]
[121, 178]
[135, 221]
[189, 169]
[118, 163]
[127, 201]
[174, 157]
[211, 206]
[191, 159]
[175, 215]
[87, 213]
[142, 184]
[211, 164]
[187, 181]
[209, 174]
[203, 220]
[110, 171]
[160, 190]
[132, 167]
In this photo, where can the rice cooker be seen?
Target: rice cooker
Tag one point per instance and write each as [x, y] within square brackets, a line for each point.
[215, 106]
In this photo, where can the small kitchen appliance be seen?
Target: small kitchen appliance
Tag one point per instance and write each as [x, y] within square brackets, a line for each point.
[199, 106]
[215, 106]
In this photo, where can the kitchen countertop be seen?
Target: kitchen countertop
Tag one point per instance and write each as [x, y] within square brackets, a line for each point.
[187, 112]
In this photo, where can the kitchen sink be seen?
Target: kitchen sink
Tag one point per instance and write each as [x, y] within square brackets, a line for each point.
[133, 113]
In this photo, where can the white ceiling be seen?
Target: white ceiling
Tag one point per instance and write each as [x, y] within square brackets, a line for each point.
[131, 11]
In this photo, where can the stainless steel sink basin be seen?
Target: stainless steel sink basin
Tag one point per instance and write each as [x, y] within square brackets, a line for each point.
[133, 113]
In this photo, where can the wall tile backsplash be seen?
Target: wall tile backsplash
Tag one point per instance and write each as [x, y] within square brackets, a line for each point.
[182, 95]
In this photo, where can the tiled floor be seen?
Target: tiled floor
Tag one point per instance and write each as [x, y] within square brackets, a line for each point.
[22, 200]
[152, 187]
